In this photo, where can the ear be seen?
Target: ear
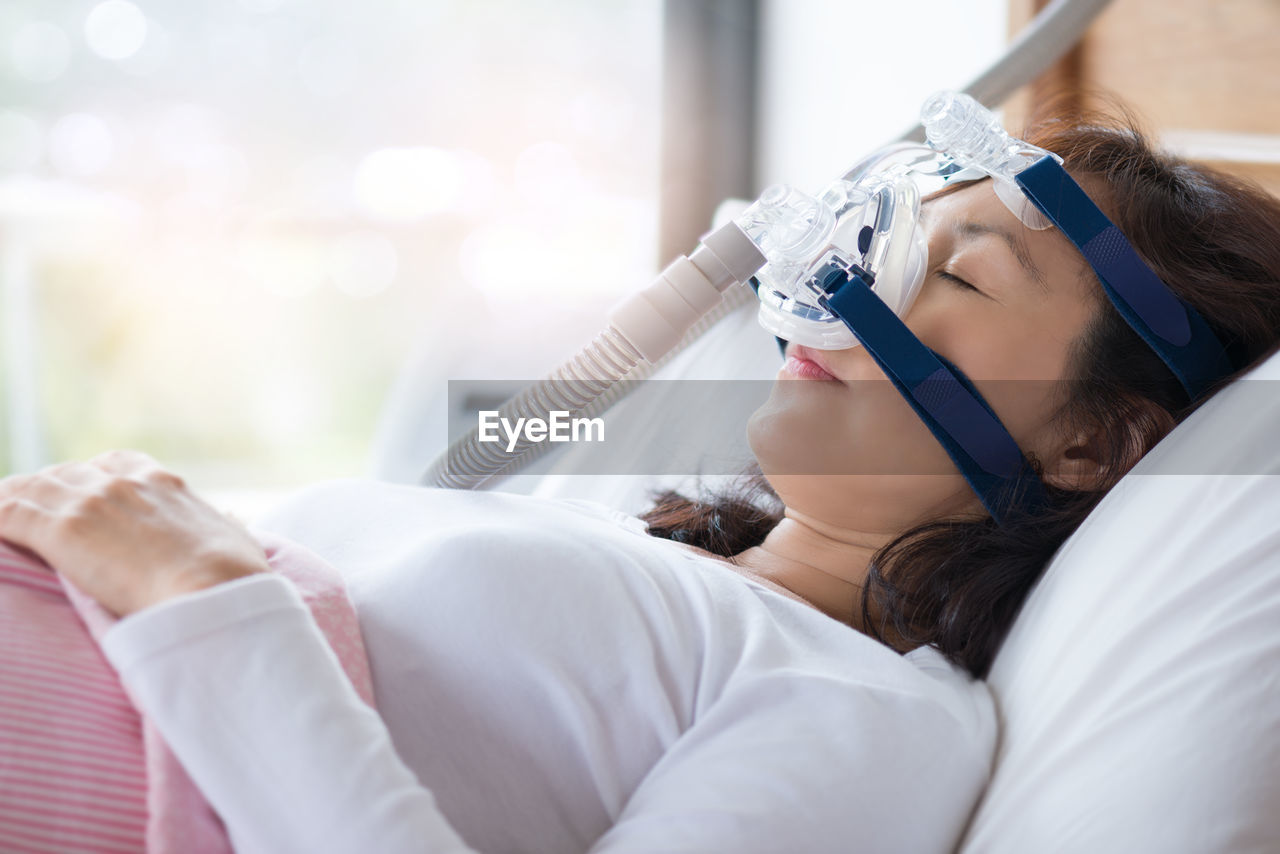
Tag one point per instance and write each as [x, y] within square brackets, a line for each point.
[1097, 456]
[1081, 462]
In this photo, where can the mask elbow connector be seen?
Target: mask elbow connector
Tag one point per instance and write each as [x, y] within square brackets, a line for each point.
[654, 319]
[788, 226]
[727, 256]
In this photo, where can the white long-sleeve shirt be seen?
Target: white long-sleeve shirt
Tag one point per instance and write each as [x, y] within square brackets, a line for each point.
[549, 678]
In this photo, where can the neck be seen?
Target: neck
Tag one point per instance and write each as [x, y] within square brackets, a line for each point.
[822, 564]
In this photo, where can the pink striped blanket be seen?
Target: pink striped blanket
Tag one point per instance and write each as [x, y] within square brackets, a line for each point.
[81, 769]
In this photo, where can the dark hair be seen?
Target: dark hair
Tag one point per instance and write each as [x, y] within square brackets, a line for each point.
[958, 584]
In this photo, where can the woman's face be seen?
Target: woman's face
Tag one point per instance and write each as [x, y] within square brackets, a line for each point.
[1003, 303]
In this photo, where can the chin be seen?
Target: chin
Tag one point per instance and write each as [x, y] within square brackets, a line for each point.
[782, 439]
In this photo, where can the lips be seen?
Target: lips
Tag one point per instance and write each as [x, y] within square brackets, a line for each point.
[808, 364]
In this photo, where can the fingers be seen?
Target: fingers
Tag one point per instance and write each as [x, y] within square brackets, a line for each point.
[52, 485]
[113, 474]
[13, 485]
[137, 466]
[73, 474]
[33, 505]
[118, 462]
[18, 514]
[125, 461]
[34, 489]
[23, 524]
[97, 472]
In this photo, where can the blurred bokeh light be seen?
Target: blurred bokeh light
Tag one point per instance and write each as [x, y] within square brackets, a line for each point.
[225, 225]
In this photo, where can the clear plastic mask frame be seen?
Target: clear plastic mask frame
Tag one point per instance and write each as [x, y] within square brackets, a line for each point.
[870, 217]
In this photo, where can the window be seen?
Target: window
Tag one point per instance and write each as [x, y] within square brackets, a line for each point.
[226, 225]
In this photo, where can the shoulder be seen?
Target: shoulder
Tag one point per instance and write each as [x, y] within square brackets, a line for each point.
[843, 674]
[855, 744]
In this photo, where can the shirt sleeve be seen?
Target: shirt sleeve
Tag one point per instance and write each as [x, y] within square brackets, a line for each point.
[246, 692]
[797, 763]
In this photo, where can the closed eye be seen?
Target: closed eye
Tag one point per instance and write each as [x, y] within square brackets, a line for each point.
[957, 281]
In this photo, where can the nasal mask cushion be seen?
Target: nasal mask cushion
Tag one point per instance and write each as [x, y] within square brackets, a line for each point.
[870, 219]
[872, 223]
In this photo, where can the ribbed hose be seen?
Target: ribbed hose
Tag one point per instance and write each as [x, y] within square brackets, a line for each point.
[586, 385]
[569, 388]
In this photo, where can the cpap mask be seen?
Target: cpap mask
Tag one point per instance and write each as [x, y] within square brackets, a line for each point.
[842, 269]
[869, 218]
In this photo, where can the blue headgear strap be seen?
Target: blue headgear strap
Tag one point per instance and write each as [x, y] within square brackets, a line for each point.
[1173, 329]
[941, 396]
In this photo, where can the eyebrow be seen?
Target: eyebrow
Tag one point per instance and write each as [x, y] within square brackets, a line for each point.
[978, 229]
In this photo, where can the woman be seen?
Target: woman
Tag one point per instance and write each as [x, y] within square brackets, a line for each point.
[548, 678]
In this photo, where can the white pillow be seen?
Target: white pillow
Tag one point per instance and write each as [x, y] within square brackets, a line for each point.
[1139, 689]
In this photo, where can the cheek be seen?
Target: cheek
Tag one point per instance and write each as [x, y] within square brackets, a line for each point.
[1020, 371]
[1016, 361]
[1020, 352]
[990, 341]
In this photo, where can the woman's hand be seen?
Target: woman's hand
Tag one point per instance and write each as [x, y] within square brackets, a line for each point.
[124, 530]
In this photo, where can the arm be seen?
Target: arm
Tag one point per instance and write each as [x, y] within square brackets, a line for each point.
[226, 660]
[248, 696]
